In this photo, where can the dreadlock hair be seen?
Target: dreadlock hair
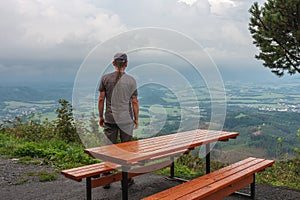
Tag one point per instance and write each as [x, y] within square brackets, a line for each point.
[119, 64]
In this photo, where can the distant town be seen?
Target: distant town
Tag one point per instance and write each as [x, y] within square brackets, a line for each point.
[264, 97]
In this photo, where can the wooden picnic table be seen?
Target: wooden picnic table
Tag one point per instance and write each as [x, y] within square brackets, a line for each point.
[139, 152]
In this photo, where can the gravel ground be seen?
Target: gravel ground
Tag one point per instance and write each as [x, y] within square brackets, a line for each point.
[12, 172]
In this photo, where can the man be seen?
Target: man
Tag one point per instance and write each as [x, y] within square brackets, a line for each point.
[119, 91]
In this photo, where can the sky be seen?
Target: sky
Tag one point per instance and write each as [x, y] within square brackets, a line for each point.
[48, 40]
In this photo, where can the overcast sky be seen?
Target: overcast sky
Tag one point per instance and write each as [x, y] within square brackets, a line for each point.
[49, 39]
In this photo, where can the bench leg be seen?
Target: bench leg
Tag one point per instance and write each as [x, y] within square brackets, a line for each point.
[207, 158]
[252, 188]
[172, 168]
[88, 188]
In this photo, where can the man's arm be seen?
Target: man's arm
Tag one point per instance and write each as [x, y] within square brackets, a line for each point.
[135, 105]
[101, 100]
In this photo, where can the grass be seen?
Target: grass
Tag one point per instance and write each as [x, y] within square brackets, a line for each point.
[22, 180]
[30, 161]
[43, 176]
[55, 153]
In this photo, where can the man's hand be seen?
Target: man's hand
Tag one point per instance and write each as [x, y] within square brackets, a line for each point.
[101, 108]
[135, 105]
[101, 121]
[136, 124]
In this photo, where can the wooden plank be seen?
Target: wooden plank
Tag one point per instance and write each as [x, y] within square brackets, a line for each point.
[129, 158]
[104, 180]
[170, 148]
[205, 183]
[89, 170]
[225, 182]
[97, 165]
[138, 146]
[166, 138]
[222, 193]
[177, 137]
[206, 179]
[82, 168]
[134, 145]
[187, 138]
[142, 149]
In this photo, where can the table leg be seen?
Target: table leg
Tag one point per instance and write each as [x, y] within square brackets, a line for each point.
[252, 188]
[124, 183]
[172, 168]
[207, 157]
[88, 188]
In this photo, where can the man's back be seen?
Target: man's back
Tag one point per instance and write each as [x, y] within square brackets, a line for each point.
[118, 94]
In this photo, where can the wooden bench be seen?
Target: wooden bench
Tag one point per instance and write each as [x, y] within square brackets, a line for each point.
[218, 184]
[92, 173]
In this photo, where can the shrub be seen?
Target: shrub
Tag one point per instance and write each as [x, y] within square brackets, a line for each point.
[29, 149]
[29, 128]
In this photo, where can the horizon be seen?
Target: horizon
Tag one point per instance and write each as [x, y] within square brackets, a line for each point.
[227, 76]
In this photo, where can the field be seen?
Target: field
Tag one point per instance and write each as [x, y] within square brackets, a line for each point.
[269, 109]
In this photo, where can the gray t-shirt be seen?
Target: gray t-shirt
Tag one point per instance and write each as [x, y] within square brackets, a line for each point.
[118, 97]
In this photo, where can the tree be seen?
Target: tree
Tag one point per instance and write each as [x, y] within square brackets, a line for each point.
[275, 28]
[65, 126]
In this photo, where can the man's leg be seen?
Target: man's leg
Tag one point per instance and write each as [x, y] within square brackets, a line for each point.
[126, 132]
[111, 133]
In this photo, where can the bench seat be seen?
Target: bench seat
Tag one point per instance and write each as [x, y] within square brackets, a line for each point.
[93, 170]
[218, 184]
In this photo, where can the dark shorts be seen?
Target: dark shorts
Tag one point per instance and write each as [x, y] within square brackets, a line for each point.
[111, 132]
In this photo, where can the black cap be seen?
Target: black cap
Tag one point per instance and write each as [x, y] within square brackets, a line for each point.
[120, 56]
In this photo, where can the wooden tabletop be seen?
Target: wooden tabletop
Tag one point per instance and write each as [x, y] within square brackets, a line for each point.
[129, 153]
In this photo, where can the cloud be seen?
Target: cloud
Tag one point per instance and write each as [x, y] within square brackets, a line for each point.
[54, 28]
[51, 33]
[188, 2]
[219, 6]
[70, 29]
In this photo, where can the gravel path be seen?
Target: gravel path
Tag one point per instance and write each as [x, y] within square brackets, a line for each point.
[12, 172]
